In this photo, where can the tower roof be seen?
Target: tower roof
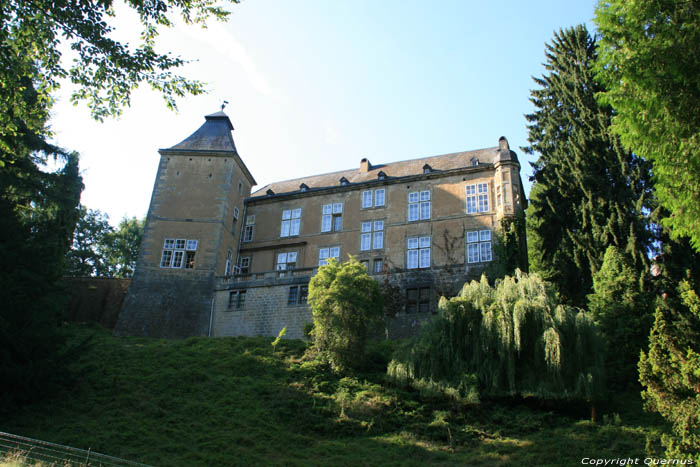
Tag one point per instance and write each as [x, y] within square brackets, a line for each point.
[213, 135]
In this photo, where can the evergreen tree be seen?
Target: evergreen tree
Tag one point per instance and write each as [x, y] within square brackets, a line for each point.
[590, 191]
[670, 370]
[624, 314]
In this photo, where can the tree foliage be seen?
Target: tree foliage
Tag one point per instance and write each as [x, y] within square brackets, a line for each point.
[589, 191]
[511, 339]
[86, 256]
[122, 247]
[670, 370]
[650, 65]
[624, 314]
[345, 301]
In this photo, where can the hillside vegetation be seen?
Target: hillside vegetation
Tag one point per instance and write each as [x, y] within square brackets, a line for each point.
[243, 401]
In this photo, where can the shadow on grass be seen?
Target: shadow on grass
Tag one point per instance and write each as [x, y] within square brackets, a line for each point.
[239, 401]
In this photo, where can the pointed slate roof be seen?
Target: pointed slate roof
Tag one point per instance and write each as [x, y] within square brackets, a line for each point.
[213, 135]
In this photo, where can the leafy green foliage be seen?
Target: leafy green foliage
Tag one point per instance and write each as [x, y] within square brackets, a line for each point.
[589, 191]
[100, 250]
[345, 301]
[624, 314]
[670, 370]
[121, 247]
[650, 65]
[509, 247]
[238, 401]
[511, 339]
[85, 257]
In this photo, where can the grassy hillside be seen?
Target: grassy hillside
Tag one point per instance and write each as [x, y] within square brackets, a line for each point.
[239, 401]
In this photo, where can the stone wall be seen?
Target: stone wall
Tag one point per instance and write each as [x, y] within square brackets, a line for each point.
[166, 304]
[95, 299]
[265, 311]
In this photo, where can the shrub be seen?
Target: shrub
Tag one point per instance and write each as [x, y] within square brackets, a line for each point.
[670, 371]
[345, 301]
[507, 340]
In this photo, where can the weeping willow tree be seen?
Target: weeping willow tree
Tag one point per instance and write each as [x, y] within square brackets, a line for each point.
[507, 340]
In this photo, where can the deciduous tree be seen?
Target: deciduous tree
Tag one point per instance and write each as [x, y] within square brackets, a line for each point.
[345, 302]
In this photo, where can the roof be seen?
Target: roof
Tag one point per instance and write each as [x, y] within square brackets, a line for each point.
[213, 135]
[395, 169]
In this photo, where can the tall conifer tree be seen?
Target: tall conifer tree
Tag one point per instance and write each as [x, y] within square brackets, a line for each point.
[589, 192]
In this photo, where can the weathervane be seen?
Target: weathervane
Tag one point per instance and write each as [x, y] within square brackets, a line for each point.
[223, 105]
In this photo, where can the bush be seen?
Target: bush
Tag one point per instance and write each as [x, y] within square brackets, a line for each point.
[511, 339]
[345, 301]
[670, 371]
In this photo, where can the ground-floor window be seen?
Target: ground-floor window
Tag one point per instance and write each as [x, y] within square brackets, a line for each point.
[236, 299]
[418, 300]
[298, 294]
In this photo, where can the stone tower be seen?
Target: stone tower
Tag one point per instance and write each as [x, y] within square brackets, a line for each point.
[191, 235]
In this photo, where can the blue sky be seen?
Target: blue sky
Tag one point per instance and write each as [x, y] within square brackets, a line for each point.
[314, 86]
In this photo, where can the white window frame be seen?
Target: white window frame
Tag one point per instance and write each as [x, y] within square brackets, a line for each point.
[324, 254]
[249, 230]
[176, 253]
[483, 193]
[332, 217]
[377, 202]
[244, 263]
[229, 260]
[419, 208]
[286, 260]
[291, 222]
[418, 252]
[372, 235]
[366, 199]
[479, 246]
[236, 213]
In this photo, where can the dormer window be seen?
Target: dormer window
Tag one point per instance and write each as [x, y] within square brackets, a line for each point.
[269, 192]
[344, 181]
[474, 161]
[381, 175]
[427, 169]
[303, 187]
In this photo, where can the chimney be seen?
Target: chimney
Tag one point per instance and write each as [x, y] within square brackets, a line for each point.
[365, 165]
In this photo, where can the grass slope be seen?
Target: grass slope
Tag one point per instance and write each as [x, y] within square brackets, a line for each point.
[239, 401]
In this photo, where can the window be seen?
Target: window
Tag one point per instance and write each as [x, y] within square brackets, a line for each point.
[418, 206]
[479, 246]
[291, 220]
[379, 198]
[498, 195]
[236, 213]
[298, 294]
[372, 236]
[365, 263]
[324, 254]
[367, 199]
[240, 187]
[236, 299]
[378, 265]
[244, 265]
[477, 198]
[286, 261]
[418, 300]
[249, 227]
[178, 252]
[229, 259]
[418, 253]
[332, 217]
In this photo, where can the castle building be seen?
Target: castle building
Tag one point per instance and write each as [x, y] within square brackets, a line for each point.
[219, 260]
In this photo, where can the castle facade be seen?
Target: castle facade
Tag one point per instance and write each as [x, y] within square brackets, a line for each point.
[217, 259]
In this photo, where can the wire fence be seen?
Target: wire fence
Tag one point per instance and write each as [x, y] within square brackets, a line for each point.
[28, 451]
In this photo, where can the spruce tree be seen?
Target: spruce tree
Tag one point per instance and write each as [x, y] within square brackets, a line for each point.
[590, 192]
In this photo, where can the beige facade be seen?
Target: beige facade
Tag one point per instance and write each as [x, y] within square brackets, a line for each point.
[416, 223]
